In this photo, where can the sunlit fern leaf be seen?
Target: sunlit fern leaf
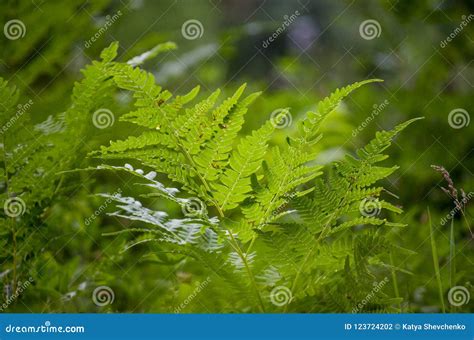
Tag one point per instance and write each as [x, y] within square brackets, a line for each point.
[244, 161]
[215, 154]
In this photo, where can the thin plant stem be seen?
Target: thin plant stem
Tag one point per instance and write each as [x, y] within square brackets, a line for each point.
[434, 253]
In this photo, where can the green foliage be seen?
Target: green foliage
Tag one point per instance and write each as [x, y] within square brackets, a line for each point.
[261, 216]
[252, 213]
[44, 34]
[32, 158]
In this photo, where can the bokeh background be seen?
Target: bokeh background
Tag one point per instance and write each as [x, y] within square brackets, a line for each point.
[423, 50]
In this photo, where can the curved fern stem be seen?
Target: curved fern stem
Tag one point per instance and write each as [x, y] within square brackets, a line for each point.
[234, 244]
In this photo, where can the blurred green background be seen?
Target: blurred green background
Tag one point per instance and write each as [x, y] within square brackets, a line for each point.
[422, 49]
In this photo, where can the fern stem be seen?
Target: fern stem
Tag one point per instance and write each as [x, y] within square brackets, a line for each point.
[234, 244]
[434, 253]
[249, 272]
[452, 253]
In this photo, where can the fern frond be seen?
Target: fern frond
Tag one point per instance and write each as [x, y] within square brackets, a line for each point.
[295, 227]
[245, 160]
[214, 157]
[309, 127]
